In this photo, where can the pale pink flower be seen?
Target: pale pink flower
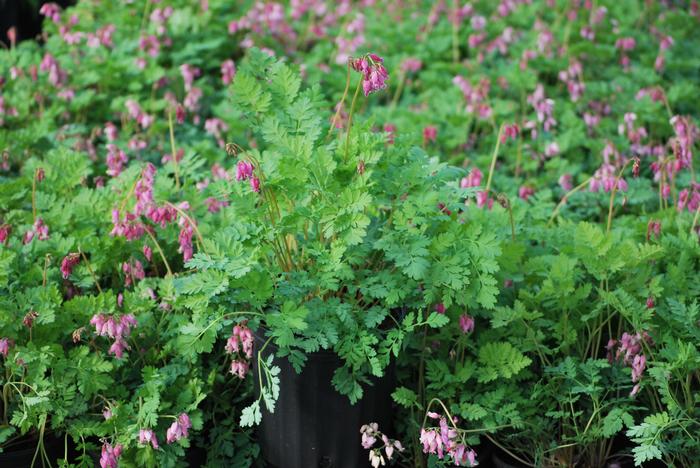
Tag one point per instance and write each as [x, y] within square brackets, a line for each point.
[67, 264]
[147, 436]
[466, 323]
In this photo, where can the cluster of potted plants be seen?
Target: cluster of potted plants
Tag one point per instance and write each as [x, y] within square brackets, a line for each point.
[337, 234]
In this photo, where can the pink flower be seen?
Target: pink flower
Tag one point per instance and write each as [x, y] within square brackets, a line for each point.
[244, 170]
[440, 308]
[147, 436]
[429, 134]
[390, 130]
[132, 271]
[525, 192]
[4, 347]
[111, 131]
[69, 261]
[147, 252]
[466, 323]
[52, 11]
[510, 131]
[39, 230]
[180, 114]
[239, 368]
[189, 73]
[5, 233]
[650, 302]
[110, 455]
[373, 72]
[638, 366]
[107, 413]
[565, 182]
[228, 71]
[116, 160]
[255, 184]
[411, 65]
[178, 429]
[473, 179]
[241, 339]
[185, 240]
[483, 200]
[214, 205]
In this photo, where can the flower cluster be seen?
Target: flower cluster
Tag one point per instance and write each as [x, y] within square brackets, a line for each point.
[240, 345]
[116, 328]
[445, 441]
[147, 436]
[5, 346]
[370, 436]
[629, 348]
[38, 230]
[67, 264]
[374, 75]
[110, 455]
[178, 429]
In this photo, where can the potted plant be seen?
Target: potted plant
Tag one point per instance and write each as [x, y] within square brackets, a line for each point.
[333, 254]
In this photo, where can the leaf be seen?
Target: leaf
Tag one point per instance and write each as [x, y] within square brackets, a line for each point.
[436, 320]
[251, 415]
[405, 397]
[500, 360]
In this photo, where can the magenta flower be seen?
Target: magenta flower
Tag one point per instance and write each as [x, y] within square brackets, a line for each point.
[4, 346]
[228, 71]
[38, 230]
[565, 182]
[52, 11]
[429, 134]
[466, 323]
[241, 339]
[111, 131]
[390, 130]
[525, 192]
[69, 261]
[110, 455]
[255, 184]
[440, 308]
[510, 131]
[178, 429]
[185, 240]
[5, 233]
[650, 302]
[116, 160]
[244, 170]
[473, 179]
[147, 436]
[147, 252]
[374, 75]
[116, 328]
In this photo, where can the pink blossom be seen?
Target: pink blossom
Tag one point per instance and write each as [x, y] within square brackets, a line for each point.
[510, 131]
[52, 11]
[5, 233]
[373, 72]
[4, 347]
[244, 170]
[411, 65]
[107, 413]
[189, 74]
[111, 131]
[228, 71]
[241, 339]
[565, 182]
[429, 134]
[214, 205]
[483, 200]
[650, 302]
[525, 192]
[178, 429]
[440, 308]
[473, 179]
[147, 252]
[130, 227]
[185, 240]
[116, 160]
[466, 323]
[67, 264]
[147, 436]
[390, 130]
[239, 368]
[110, 455]
[38, 230]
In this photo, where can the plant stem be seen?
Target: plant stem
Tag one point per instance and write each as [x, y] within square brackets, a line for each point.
[92, 273]
[352, 111]
[612, 196]
[493, 158]
[172, 149]
[160, 251]
[342, 101]
[695, 220]
[566, 197]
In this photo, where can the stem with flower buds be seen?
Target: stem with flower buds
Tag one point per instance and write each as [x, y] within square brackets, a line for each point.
[160, 251]
[92, 273]
[352, 111]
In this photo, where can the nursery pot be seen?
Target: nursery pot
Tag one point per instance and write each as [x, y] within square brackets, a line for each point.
[22, 454]
[315, 426]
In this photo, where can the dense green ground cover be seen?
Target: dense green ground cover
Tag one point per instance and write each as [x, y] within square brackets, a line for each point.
[498, 197]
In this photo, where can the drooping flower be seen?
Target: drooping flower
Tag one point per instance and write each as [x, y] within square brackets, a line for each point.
[115, 328]
[466, 323]
[255, 184]
[147, 436]
[185, 241]
[228, 71]
[429, 134]
[244, 170]
[374, 75]
[239, 368]
[440, 308]
[510, 131]
[473, 179]
[178, 429]
[4, 346]
[5, 233]
[38, 230]
[241, 339]
[110, 455]
[525, 192]
[69, 261]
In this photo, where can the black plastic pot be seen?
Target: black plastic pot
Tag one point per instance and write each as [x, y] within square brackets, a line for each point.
[315, 426]
[21, 455]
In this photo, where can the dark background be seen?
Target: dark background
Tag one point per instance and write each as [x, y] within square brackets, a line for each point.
[24, 15]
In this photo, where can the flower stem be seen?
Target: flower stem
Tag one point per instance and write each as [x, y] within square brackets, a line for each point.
[612, 196]
[494, 157]
[340, 104]
[172, 149]
[352, 111]
[89, 267]
[565, 198]
[160, 251]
